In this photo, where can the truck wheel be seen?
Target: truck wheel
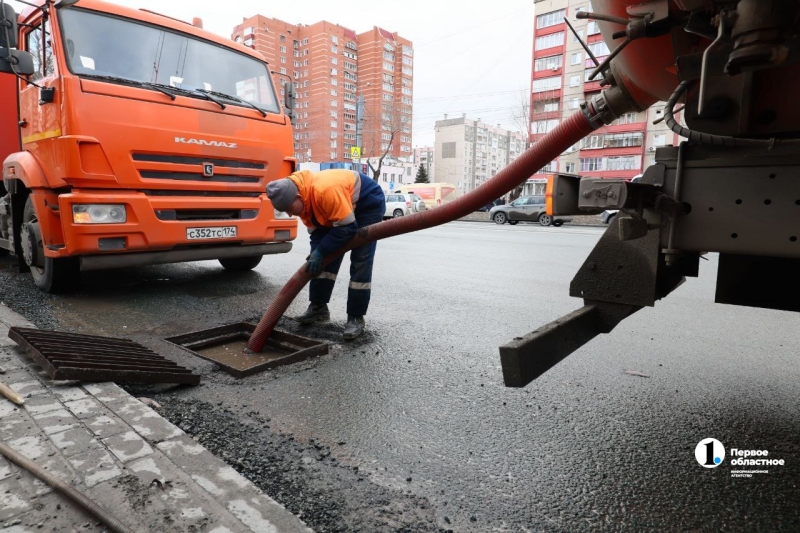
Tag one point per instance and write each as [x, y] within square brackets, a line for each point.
[50, 275]
[240, 264]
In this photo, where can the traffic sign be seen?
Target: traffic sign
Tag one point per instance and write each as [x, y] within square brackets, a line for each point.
[355, 154]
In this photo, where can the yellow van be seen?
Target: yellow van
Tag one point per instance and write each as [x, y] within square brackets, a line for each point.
[434, 194]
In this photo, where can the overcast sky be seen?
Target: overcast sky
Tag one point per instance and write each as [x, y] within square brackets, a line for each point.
[470, 56]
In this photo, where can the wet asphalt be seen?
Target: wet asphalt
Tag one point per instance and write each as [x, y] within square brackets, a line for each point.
[410, 427]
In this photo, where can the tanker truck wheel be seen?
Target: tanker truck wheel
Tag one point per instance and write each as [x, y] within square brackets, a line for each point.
[50, 275]
[240, 264]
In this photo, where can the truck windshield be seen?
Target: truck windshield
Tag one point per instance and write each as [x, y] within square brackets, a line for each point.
[111, 47]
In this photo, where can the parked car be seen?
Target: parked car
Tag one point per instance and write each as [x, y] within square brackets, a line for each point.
[488, 207]
[402, 204]
[607, 216]
[528, 209]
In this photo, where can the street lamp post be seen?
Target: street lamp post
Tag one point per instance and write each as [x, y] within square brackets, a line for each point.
[360, 119]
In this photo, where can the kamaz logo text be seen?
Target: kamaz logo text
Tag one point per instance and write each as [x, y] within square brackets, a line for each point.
[204, 142]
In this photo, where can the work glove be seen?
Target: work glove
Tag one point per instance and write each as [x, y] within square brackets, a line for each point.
[314, 265]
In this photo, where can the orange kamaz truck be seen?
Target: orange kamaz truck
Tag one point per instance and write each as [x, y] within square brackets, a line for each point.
[130, 138]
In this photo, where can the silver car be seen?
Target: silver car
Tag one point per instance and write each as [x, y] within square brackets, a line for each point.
[528, 209]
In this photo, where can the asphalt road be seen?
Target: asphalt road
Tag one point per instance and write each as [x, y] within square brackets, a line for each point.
[411, 428]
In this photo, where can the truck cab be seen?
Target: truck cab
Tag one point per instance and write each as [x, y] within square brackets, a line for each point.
[140, 139]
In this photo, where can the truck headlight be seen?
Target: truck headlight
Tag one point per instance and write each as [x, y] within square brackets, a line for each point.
[99, 214]
[281, 215]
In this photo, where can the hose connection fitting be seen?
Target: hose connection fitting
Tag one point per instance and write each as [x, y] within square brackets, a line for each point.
[607, 106]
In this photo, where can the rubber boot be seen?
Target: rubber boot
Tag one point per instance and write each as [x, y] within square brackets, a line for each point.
[314, 313]
[354, 327]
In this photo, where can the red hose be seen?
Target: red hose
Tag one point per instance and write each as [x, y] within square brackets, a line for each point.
[545, 150]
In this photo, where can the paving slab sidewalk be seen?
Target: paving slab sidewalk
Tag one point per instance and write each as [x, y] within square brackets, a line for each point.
[120, 453]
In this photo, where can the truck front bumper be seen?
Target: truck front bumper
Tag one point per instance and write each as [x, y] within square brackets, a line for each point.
[152, 230]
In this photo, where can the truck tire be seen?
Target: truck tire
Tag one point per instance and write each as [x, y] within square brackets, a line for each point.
[240, 264]
[56, 275]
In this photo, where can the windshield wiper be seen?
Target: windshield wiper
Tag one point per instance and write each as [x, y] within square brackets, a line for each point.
[204, 94]
[235, 99]
[145, 84]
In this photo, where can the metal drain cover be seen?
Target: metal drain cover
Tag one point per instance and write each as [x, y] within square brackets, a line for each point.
[71, 356]
[225, 346]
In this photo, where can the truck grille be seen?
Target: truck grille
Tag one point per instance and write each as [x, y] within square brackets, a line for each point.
[191, 176]
[185, 160]
[206, 214]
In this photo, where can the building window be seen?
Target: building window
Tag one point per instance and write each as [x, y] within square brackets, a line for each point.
[334, 61]
[588, 76]
[574, 103]
[283, 70]
[543, 126]
[546, 20]
[576, 59]
[627, 162]
[579, 37]
[591, 164]
[622, 140]
[388, 66]
[334, 114]
[660, 139]
[569, 168]
[546, 84]
[599, 49]
[550, 41]
[592, 142]
[574, 81]
[334, 72]
[283, 38]
[592, 28]
[334, 39]
[305, 41]
[548, 63]
[628, 118]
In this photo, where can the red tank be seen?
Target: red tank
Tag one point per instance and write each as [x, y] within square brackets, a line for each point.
[646, 67]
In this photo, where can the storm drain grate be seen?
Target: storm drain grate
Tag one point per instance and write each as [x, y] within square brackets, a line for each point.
[71, 356]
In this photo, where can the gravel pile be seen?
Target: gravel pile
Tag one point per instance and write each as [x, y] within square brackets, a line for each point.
[305, 478]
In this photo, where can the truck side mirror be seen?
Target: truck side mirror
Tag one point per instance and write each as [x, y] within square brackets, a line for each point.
[8, 25]
[288, 100]
[12, 61]
[16, 61]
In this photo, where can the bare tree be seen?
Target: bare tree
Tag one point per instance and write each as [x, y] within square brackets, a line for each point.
[528, 113]
[393, 124]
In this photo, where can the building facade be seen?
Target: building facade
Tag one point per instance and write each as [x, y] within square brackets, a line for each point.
[386, 79]
[425, 156]
[468, 152]
[560, 82]
[324, 63]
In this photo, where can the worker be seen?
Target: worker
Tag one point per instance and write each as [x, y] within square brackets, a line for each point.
[333, 204]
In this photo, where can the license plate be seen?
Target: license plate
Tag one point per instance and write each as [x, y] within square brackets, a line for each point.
[227, 232]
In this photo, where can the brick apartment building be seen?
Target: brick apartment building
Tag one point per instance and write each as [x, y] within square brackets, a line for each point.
[330, 67]
[560, 82]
